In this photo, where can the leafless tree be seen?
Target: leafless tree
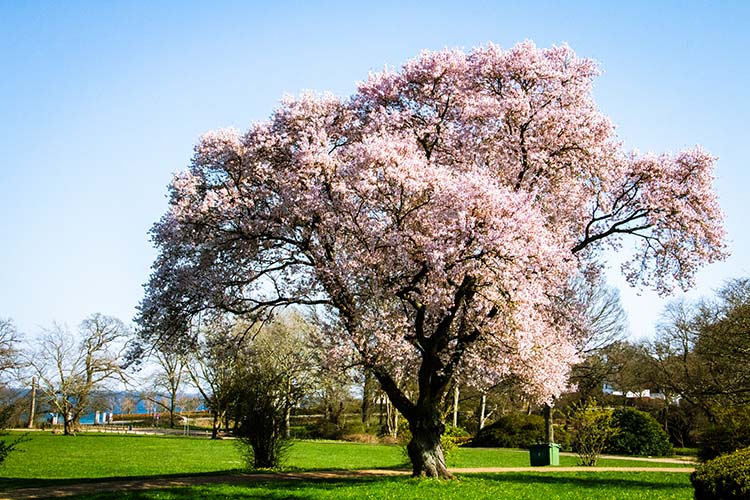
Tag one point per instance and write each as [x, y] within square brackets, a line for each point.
[167, 382]
[212, 366]
[70, 367]
[703, 349]
[9, 353]
[10, 362]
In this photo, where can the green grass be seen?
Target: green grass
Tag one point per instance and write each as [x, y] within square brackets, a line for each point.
[47, 459]
[521, 486]
[321, 455]
[93, 455]
[500, 457]
[313, 455]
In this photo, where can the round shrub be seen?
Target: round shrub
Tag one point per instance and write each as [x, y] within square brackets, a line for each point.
[724, 478]
[637, 433]
[511, 431]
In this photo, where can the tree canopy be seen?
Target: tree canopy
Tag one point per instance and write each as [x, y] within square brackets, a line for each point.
[703, 348]
[437, 216]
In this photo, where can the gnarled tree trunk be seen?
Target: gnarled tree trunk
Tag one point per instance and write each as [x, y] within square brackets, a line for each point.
[425, 451]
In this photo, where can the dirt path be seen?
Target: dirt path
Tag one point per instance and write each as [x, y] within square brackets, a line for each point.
[176, 482]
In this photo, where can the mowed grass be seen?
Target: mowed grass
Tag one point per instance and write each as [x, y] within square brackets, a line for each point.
[517, 486]
[311, 455]
[93, 455]
[46, 456]
[47, 459]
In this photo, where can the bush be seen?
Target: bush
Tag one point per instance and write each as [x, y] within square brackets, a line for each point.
[511, 431]
[637, 433]
[452, 438]
[730, 432]
[562, 437]
[261, 417]
[261, 432]
[590, 430]
[361, 438]
[325, 429]
[723, 478]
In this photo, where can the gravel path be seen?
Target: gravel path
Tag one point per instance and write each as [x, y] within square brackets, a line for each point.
[176, 482]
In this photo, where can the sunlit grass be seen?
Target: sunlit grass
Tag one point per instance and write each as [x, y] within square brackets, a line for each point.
[84, 456]
[53, 459]
[517, 486]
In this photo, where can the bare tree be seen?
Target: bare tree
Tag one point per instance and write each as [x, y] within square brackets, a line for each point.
[167, 382]
[604, 319]
[9, 363]
[702, 349]
[602, 326]
[10, 358]
[212, 365]
[69, 367]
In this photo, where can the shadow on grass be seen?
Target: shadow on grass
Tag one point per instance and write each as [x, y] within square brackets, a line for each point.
[650, 480]
[13, 483]
[473, 485]
[249, 493]
[262, 489]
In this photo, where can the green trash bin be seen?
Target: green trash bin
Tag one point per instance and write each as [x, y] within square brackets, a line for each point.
[544, 454]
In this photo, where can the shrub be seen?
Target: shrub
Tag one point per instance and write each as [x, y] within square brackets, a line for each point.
[361, 438]
[637, 433]
[261, 431]
[514, 430]
[562, 437]
[325, 429]
[723, 478]
[261, 417]
[452, 438]
[590, 430]
[730, 432]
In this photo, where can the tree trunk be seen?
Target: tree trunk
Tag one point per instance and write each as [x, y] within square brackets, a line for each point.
[67, 425]
[424, 449]
[549, 431]
[215, 424]
[367, 389]
[455, 405]
[482, 410]
[172, 408]
[288, 422]
[391, 419]
[32, 410]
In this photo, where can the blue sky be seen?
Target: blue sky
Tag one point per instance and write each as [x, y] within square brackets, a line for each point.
[100, 102]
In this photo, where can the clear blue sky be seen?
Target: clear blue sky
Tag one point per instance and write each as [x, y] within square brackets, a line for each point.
[100, 102]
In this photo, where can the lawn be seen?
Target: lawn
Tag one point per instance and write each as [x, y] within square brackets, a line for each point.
[49, 459]
[517, 486]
